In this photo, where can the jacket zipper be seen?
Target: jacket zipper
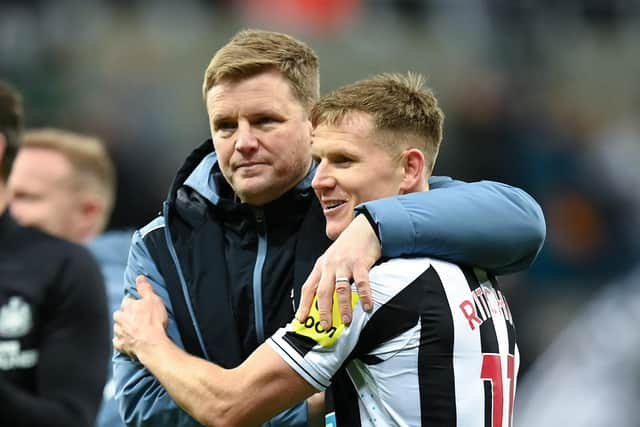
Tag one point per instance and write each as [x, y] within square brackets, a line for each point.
[257, 273]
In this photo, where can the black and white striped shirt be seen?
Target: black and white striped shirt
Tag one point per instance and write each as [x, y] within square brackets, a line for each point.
[438, 349]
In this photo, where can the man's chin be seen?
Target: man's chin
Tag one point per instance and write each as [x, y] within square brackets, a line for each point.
[257, 195]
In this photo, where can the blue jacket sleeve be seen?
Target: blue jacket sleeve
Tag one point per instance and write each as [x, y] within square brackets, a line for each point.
[292, 417]
[142, 400]
[485, 224]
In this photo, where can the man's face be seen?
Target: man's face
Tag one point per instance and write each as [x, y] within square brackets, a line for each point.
[42, 194]
[352, 169]
[261, 134]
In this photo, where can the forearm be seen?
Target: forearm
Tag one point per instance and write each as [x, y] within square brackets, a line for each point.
[201, 388]
[250, 394]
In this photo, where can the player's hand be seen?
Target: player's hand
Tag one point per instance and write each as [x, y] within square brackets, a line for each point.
[140, 323]
[348, 260]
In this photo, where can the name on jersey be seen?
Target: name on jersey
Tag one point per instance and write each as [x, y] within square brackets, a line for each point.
[484, 303]
[311, 327]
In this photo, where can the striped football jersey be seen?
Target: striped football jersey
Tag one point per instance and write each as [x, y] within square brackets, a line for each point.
[438, 349]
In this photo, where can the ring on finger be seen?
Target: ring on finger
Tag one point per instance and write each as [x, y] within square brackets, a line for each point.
[343, 279]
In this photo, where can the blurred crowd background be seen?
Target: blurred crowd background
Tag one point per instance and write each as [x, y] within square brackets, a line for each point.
[544, 95]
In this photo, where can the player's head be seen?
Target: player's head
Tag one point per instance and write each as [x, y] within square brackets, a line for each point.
[259, 89]
[374, 138]
[11, 122]
[63, 183]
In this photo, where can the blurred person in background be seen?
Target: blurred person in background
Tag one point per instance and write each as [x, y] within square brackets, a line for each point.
[589, 376]
[240, 230]
[64, 184]
[54, 327]
[423, 356]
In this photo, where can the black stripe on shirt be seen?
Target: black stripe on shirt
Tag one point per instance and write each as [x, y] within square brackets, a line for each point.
[488, 344]
[342, 397]
[435, 364]
[300, 343]
[394, 317]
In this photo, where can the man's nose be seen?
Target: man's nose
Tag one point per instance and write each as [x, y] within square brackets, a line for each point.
[246, 140]
[323, 179]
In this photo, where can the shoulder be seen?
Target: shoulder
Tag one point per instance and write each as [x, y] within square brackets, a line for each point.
[44, 248]
[156, 225]
[394, 275]
[62, 264]
[399, 270]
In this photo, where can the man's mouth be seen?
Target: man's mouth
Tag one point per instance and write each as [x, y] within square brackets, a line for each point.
[247, 165]
[332, 204]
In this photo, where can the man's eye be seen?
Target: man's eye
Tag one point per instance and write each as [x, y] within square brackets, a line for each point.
[224, 126]
[264, 120]
[342, 161]
[24, 197]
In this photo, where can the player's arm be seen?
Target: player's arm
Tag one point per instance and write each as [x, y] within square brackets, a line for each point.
[258, 389]
[487, 224]
[73, 355]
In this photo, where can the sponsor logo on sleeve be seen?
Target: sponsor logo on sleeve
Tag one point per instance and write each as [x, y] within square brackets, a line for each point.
[311, 327]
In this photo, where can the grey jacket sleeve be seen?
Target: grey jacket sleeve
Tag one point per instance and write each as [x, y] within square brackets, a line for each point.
[486, 224]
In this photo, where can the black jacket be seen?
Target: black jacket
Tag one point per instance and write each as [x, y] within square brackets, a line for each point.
[240, 268]
[54, 330]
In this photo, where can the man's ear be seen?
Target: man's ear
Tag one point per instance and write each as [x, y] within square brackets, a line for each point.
[413, 171]
[91, 213]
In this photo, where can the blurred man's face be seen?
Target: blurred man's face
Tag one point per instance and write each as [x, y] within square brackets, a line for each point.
[352, 169]
[261, 134]
[42, 194]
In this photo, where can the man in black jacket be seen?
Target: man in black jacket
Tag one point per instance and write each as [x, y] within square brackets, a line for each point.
[54, 329]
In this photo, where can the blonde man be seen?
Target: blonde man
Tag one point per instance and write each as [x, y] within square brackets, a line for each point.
[437, 336]
[54, 324]
[63, 183]
[240, 230]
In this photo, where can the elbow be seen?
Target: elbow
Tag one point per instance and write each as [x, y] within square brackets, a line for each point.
[231, 408]
[537, 233]
[534, 230]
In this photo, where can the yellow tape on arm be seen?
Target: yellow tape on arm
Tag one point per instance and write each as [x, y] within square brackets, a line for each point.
[311, 327]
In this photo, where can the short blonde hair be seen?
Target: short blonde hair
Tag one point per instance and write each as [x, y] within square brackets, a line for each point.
[91, 164]
[399, 104]
[251, 52]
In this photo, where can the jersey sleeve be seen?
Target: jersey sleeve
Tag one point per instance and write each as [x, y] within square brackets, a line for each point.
[316, 355]
[490, 225]
[74, 352]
